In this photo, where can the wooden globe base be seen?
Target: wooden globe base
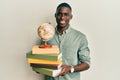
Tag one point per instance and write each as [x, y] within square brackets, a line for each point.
[45, 45]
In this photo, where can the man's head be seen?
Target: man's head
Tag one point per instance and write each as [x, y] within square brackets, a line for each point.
[63, 15]
[64, 5]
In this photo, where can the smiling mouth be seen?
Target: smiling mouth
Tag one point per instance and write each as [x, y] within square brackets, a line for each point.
[62, 22]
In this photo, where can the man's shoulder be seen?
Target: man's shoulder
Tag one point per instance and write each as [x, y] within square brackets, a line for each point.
[77, 32]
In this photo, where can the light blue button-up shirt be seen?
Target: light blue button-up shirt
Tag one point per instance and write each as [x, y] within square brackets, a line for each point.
[74, 47]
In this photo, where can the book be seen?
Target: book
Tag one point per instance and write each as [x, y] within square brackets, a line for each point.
[49, 72]
[41, 61]
[44, 56]
[49, 66]
[37, 50]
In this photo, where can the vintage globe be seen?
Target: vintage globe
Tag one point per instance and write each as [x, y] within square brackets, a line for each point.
[46, 31]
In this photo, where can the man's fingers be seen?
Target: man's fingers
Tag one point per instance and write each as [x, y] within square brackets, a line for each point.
[64, 70]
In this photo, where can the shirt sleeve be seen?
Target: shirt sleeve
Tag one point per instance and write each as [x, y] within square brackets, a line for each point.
[84, 52]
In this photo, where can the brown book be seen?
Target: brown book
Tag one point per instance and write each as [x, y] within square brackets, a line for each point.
[49, 66]
[53, 50]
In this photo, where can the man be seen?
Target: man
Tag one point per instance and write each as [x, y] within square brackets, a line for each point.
[72, 43]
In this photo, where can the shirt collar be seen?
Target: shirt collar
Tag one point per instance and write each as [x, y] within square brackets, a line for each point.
[66, 31]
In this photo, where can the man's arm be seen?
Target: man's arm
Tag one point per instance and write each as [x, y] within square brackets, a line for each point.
[66, 68]
[83, 58]
[81, 67]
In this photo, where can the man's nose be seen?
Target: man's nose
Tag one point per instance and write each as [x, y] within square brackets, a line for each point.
[62, 16]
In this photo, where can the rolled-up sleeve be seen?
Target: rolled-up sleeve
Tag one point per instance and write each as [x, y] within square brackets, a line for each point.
[84, 52]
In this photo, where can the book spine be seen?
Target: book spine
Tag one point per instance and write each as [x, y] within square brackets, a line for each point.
[39, 61]
[42, 51]
[49, 72]
[44, 56]
[43, 71]
[37, 50]
[49, 66]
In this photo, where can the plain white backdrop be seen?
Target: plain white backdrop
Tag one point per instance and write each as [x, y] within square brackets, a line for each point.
[98, 19]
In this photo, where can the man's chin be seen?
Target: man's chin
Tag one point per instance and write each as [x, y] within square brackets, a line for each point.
[62, 25]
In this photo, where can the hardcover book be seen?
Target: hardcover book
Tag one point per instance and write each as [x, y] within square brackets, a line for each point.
[41, 61]
[44, 56]
[53, 50]
[49, 72]
[49, 66]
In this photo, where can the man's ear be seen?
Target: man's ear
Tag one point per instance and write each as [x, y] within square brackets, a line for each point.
[71, 16]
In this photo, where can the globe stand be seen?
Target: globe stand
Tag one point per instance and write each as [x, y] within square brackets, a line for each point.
[45, 45]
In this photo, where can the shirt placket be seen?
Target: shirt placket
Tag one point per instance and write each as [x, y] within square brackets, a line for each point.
[60, 38]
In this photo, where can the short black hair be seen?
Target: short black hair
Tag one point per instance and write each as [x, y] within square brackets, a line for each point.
[64, 5]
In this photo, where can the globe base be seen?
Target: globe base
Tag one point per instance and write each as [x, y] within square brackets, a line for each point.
[45, 45]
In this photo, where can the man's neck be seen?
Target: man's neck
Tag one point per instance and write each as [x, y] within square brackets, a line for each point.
[61, 29]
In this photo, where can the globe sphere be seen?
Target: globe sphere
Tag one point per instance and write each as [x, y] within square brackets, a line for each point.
[46, 31]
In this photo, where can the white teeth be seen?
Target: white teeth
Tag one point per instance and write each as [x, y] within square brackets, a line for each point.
[62, 22]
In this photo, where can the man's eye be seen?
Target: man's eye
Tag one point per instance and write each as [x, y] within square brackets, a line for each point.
[66, 14]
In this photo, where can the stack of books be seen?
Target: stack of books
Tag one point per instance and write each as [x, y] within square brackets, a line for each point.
[46, 61]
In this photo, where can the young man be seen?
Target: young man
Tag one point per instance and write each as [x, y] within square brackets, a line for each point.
[72, 43]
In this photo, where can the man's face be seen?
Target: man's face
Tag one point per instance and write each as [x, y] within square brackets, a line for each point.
[63, 16]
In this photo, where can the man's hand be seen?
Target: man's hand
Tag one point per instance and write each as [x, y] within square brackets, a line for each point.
[65, 69]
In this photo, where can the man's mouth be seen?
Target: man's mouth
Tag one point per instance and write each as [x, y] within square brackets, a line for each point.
[62, 22]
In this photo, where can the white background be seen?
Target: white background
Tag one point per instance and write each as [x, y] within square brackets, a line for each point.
[98, 19]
